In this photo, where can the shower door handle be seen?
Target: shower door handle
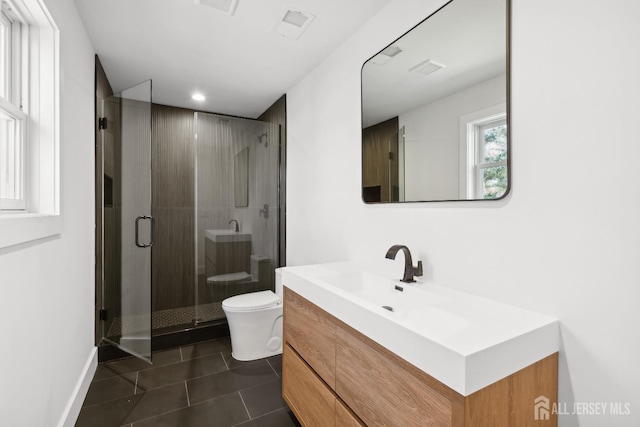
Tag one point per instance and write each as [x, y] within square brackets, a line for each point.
[152, 234]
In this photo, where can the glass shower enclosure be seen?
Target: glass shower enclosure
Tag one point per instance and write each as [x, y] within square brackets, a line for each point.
[236, 213]
[199, 190]
[125, 125]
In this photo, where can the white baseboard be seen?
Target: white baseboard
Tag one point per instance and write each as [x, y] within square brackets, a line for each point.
[70, 415]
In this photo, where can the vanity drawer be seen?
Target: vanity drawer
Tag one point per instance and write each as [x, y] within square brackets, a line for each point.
[312, 333]
[210, 250]
[209, 268]
[344, 417]
[226, 257]
[313, 403]
[383, 389]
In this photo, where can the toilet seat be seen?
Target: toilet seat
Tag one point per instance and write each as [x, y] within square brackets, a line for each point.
[251, 301]
[229, 277]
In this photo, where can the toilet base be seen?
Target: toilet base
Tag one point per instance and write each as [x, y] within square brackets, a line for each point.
[255, 334]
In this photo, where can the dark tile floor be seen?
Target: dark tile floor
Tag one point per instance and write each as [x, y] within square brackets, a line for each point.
[191, 386]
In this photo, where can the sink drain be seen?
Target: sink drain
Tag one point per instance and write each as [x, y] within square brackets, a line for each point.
[387, 307]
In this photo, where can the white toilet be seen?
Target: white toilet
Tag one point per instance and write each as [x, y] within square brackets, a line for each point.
[255, 322]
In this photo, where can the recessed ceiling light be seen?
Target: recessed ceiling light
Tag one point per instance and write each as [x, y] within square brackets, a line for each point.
[198, 97]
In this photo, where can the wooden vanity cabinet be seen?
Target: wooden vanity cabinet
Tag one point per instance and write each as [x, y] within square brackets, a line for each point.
[226, 257]
[334, 375]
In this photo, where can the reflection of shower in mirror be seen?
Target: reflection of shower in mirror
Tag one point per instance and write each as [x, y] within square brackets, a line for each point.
[263, 138]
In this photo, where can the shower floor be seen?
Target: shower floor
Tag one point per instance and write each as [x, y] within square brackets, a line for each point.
[167, 318]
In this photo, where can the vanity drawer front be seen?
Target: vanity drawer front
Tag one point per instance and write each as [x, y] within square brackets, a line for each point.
[209, 268]
[312, 333]
[210, 250]
[383, 390]
[309, 398]
[344, 417]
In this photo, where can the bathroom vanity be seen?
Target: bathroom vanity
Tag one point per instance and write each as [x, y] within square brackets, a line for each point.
[360, 352]
[226, 251]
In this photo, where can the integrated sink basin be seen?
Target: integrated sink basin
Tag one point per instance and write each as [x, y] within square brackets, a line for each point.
[464, 341]
[227, 236]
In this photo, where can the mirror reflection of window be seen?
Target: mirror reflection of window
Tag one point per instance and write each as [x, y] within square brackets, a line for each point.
[490, 144]
[484, 154]
[493, 164]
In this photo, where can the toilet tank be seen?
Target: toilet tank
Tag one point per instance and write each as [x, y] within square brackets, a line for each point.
[279, 282]
[261, 270]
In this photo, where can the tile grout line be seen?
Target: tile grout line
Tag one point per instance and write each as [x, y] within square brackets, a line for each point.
[258, 417]
[245, 405]
[186, 389]
[225, 362]
[272, 368]
[135, 388]
[181, 356]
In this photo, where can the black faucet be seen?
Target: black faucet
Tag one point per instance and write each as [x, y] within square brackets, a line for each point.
[409, 269]
[237, 228]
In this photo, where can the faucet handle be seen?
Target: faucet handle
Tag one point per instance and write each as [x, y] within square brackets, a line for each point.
[418, 269]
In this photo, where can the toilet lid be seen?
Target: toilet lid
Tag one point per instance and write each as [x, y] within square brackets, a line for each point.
[251, 301]
[229, 277]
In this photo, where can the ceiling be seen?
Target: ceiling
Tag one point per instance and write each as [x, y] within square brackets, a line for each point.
[238, 62]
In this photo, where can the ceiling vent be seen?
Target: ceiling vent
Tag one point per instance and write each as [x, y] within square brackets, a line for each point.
[224, 6]
[293, 23]
[427, 67]
[386, 55]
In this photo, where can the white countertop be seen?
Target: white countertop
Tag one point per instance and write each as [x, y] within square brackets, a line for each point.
[227, 236]
[464, 341]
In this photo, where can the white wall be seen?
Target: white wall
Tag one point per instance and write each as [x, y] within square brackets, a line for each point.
[565, 242]
[46, 308]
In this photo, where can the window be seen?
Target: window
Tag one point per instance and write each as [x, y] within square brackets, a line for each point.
[12, 162]
[491, 158]
[29, 130]
[12, 118]
[483, 149]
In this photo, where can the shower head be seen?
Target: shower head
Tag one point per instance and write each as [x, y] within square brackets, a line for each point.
[263, 138]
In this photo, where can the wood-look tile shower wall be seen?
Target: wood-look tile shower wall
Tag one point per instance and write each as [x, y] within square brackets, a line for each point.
[173, 259]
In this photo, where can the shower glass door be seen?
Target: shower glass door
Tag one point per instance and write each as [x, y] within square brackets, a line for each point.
[237, 209]
[128, 223]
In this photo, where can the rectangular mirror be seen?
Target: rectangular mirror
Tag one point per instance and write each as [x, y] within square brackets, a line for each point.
[435, 109]
[241, 179]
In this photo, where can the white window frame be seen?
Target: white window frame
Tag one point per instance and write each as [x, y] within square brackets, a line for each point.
[11, 103]
[471, 178]
[19, 158]
[480, 165]
[35, 102]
